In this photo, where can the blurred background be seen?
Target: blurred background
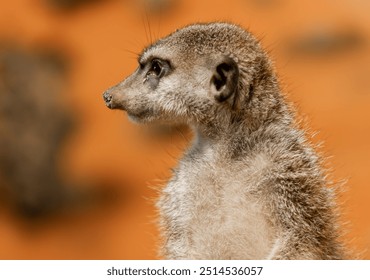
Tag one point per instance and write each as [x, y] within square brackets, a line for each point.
[76, 179]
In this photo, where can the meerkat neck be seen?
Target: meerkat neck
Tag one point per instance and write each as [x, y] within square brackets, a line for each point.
[232, 134]
[246, 121]
[221, 139]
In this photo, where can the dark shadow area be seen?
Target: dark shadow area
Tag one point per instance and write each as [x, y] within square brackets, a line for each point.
[34, 125]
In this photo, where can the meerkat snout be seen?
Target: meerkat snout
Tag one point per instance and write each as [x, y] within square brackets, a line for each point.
[250, 186]
[114, 97]
[108, 99]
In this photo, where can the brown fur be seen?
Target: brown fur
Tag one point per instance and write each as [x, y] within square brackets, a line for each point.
[250, 187]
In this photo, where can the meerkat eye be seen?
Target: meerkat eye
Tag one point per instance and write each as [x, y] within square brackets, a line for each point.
[155, 68]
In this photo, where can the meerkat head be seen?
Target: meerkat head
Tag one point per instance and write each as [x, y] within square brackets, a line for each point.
[194, 75]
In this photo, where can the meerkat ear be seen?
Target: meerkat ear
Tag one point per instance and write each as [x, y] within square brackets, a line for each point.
[224, 82]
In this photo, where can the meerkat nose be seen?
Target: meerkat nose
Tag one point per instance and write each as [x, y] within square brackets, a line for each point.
[108, 99]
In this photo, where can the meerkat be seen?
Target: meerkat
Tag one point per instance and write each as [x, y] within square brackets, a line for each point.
[250, 186]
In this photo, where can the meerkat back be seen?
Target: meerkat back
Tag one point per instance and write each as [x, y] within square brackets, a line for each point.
[250, 186]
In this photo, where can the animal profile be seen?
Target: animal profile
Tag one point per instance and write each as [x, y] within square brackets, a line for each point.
[250, 186]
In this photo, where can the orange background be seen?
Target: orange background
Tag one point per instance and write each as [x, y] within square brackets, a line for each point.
[332, 93]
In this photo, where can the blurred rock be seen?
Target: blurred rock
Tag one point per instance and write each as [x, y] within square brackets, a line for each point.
[325, 41]
[70, 4]
[265, 3]
[33, 125]
[151, 6]
[157, 6]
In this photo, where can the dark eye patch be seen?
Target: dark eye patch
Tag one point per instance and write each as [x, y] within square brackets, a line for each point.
[156, 68]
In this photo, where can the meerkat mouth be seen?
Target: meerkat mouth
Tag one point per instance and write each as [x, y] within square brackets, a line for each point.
[133, 118]
[111, 103]
[139, 117]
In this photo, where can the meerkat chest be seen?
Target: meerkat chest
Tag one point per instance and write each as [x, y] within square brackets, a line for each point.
[216, 212]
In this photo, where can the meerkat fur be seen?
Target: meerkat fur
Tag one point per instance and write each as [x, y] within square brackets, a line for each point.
[250, 186]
